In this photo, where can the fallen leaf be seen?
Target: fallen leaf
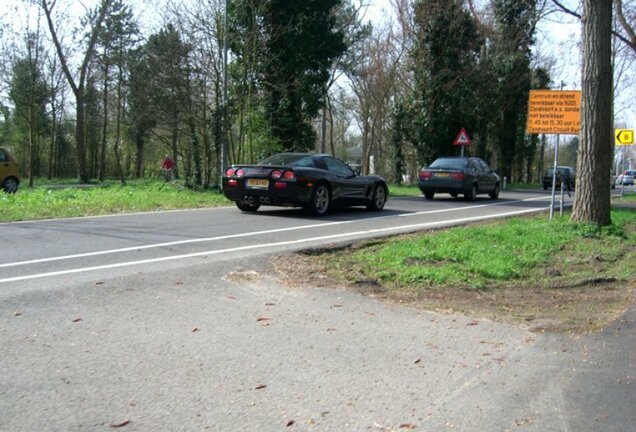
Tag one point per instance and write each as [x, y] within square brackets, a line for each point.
[337, 306]
[195, 329]
[17, 313]
[99, 283]
[290, 423]
[331, 329]
[120, 424]
[231, 297]
[417, 361]
[78, 319]
[270, 304]
[472, 323]
[369, 313]
[263, 318]
[407, 426]
[260, 386]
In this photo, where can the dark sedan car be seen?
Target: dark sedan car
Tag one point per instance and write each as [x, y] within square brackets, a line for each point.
[565, 175]
[469, 176]
[314, 182]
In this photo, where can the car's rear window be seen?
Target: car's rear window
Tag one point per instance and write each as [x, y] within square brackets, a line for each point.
[449, 163]
[561, 171]
[288, 159]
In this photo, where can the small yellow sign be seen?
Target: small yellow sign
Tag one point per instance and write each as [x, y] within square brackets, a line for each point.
[554, 112]
[624, 137]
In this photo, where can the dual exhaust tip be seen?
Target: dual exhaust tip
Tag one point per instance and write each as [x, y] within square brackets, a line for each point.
[256, 200]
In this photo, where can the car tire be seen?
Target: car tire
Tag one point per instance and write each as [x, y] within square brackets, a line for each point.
[378, 198]
[471, 194]
[454, 194]
[320, 200]
[10, 185]
[495, 193]
[429, 195]
[251, 208]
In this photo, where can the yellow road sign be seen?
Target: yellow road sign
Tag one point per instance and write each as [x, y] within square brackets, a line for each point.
[554, 112]
[624, 137]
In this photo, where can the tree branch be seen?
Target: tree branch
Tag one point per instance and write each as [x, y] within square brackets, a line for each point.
[631, 42]
[618, 6]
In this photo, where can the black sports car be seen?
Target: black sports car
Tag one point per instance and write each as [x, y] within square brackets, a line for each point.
[314, 182]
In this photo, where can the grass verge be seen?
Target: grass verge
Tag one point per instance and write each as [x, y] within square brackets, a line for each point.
[58, 201]
[550, 276]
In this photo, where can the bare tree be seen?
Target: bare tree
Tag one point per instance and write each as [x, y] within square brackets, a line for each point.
[78, 83]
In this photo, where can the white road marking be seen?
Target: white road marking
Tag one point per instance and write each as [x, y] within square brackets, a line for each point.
[233, 236]
[266, 245]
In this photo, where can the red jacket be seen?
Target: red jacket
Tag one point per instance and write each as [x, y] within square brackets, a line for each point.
[167, 164]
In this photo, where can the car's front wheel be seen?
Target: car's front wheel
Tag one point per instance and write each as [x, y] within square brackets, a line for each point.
[10, 185]
[378, 198]
[472, 193]
[320, 200]
[495, 192]
[429, 195]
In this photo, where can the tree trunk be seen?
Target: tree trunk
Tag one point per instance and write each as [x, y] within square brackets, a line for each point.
[120, 171]
[592, 202]
[102, 151]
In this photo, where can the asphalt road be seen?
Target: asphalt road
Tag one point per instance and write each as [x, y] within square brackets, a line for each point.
[176, 321]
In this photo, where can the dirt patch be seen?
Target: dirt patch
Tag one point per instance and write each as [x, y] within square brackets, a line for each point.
[577, 295]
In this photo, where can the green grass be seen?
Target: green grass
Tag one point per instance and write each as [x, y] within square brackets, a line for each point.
[476, 256]
[404, 190]
[628, 197]
[57, 200]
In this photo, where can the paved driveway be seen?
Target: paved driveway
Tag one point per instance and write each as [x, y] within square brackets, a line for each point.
[227, 347]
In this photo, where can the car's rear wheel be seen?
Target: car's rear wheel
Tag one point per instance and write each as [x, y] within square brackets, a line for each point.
[10, 185]
[472, 193]
[320, 200]
[429, 195]
[495, 192]
[247, 207]
[378, 198]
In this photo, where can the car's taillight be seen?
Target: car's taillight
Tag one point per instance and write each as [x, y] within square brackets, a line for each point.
[457, 175]
[240, 172]
[229, 172]
[425, 175]
[285, 175]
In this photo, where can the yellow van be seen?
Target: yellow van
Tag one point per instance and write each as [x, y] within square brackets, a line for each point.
[9, 179]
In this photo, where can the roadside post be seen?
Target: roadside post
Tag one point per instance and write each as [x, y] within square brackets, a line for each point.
[554, 112]
[623, 138]
[462, 139]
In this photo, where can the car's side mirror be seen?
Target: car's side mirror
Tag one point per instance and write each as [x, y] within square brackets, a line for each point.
[356, 171]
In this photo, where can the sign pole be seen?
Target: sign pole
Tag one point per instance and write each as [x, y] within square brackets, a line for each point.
[554, 173]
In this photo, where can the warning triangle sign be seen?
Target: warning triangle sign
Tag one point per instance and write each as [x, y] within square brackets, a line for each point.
[462, 138]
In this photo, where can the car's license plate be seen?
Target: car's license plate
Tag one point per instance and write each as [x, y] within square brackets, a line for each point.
[441, 174]
[257, 183]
